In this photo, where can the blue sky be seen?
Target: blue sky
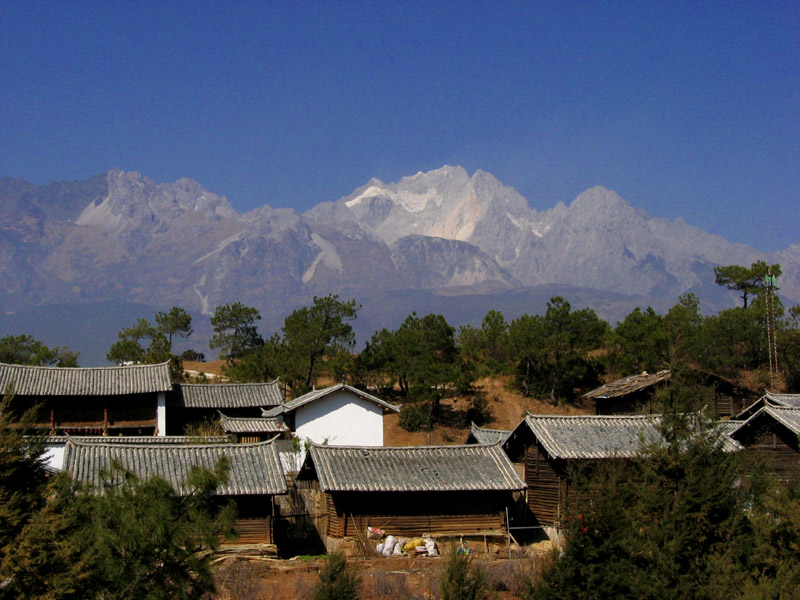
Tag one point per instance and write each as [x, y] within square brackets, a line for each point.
[686, 109]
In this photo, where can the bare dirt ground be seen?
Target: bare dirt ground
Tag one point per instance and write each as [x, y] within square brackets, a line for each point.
[506, 406]
[381, 578]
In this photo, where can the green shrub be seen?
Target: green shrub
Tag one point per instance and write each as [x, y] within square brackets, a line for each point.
[416, 416]
[337, 581]
[462, 580]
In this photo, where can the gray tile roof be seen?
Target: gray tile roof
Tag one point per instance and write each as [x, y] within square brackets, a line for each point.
[226, 395]
[251, 425]
[728, 427]
[92, 381]
[589, 437]
[312, 396]
[628, 385]
[592, 437]
[137, 439]
[770, 399]
[413, 469]
[787, 416]
[254, 468]
[785, 400]
[487, 436]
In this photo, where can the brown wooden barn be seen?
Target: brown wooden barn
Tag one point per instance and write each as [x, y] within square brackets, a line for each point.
[628, 396]
[409, 491]
[549, 445]
[193, 404]
[771, 435]
[254, 479]
[127, 400]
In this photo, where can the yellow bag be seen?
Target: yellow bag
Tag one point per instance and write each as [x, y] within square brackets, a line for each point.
[411, 545]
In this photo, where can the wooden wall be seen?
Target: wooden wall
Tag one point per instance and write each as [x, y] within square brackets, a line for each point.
[255, 520]
[770, 443]
[254, 531]
[416, 513]
[547, 487]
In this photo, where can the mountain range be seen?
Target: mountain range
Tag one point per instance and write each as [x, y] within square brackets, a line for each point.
[80, 260]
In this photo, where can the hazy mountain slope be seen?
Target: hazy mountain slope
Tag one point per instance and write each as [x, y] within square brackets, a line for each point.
[440, 241]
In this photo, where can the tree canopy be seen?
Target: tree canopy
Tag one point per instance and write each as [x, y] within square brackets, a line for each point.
[235, 331]
[145, 343]
[323, 328]
[26, 350]
[748, 281]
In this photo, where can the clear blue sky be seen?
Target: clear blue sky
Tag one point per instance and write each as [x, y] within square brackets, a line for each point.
[686, 109]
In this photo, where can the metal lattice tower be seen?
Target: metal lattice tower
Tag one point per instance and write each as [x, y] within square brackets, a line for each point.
[772, 344]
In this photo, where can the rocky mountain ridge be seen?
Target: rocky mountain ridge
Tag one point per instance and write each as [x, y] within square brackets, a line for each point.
[124, 237]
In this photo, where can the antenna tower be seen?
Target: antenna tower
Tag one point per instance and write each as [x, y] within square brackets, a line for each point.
[769, 280]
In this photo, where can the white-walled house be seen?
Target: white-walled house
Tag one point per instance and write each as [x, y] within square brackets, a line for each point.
[339, 415]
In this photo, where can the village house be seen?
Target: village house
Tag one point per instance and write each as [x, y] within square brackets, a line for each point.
[549, 445]
[128, 400]
[437, 491]
[255, 476]
[770, 437]
[195, 405]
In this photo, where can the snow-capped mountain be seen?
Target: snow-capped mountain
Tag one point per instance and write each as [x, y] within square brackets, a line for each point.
[442, 240]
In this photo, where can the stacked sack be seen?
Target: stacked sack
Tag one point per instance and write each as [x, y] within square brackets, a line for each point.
[393, 546]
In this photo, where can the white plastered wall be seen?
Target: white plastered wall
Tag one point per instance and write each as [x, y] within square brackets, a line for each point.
[340, 419]
[161, 414]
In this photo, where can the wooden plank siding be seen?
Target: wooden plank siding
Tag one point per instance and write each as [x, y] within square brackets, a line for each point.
[547, 487]
[774, 446]
[411, 514]
[254, 531]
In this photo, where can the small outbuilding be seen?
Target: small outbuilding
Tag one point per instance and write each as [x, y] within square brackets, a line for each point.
[480, 435]
[250, 430]
[192, 405]
[255, 476]
[340, 415]
[409, 491]
[628, 396]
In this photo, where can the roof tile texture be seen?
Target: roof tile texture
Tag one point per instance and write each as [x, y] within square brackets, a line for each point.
[92, 381]
[414, 469]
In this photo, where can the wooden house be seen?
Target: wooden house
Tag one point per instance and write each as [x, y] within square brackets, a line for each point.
[129, 400]
[550, 445]
[339, 415]
[255, 476]
[409, 491]
[770, 435]
[191, 405]
[628, 396]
